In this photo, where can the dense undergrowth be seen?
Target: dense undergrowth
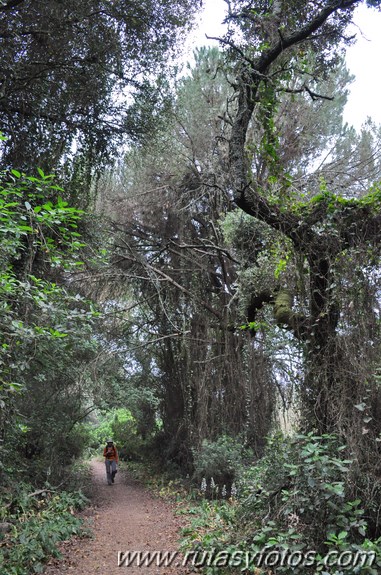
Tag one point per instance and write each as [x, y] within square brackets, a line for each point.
[295, 511]
[33, 523]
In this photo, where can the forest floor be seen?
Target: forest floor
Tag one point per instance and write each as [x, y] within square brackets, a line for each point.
[122, 517]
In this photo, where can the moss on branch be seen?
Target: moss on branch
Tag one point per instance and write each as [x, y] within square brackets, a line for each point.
[283, 307]
[286, 317]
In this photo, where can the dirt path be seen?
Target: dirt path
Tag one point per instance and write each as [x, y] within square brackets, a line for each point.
[124, 517]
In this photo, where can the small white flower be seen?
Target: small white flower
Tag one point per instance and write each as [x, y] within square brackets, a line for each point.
[203, 485]
[223, 492]
[234, 490]
[212, 483]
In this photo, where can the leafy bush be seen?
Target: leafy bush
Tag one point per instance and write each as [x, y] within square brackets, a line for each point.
[209, 526]
[121, 426]
[298, 499]
[125, 433]
[41, 402]
[37, 524]
[305, 479]
[99, 431]
[295, 505]
[218, 463]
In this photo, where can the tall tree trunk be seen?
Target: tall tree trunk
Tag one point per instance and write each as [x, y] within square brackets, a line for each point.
[321, 346]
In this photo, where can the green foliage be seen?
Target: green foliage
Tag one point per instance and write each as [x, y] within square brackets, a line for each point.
[310, 481]
[37, 524]
[122, 427]
[69, 60]
[37, 232]
[219, 464]
[298, 499]
[332, 202]
[34, 217]
[254, 326]
[209, 528]
[100, 430]
[41, 401]
[125, 434]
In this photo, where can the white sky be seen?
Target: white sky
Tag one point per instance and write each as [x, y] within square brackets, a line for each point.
[363, 58]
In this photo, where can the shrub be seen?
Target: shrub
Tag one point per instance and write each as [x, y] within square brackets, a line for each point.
[218, 464]
[121, 426]
[295, 507]
[298, 499]
[37, 525]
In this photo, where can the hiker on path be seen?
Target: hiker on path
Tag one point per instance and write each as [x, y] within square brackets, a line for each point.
[111, 459]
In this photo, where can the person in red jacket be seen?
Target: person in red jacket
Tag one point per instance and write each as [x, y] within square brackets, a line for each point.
[110, 454]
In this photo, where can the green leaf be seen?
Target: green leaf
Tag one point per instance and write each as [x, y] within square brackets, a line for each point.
[25, 228]
[15, 386]
[56, 333]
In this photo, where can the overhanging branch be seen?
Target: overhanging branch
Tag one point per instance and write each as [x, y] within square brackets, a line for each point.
[314, 96]
[256, 205]
[250, 80]
[304, 33]
[297, 323]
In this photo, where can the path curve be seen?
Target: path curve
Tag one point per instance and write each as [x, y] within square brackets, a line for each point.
[124, 517]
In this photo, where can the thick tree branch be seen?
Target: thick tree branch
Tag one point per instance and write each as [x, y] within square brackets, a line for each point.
[283, 221]
[314, 96]
[285, 317]
[304, 33]
[297, 323]
[257, 302]
[250, 80]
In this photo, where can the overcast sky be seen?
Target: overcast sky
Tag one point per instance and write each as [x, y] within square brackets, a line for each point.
[363, 59]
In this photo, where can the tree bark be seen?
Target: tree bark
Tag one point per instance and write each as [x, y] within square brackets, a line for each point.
[317, 330]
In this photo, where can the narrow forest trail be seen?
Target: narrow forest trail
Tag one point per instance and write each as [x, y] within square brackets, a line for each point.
[124, 517]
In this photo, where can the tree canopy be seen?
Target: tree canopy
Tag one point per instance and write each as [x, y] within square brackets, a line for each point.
[68, 70]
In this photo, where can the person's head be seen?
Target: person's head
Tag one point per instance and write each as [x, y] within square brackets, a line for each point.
[110, 442]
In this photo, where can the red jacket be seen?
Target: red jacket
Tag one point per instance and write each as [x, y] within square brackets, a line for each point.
[110, 453]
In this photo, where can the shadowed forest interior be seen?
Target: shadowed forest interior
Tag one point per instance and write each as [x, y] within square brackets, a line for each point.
[190, 264]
